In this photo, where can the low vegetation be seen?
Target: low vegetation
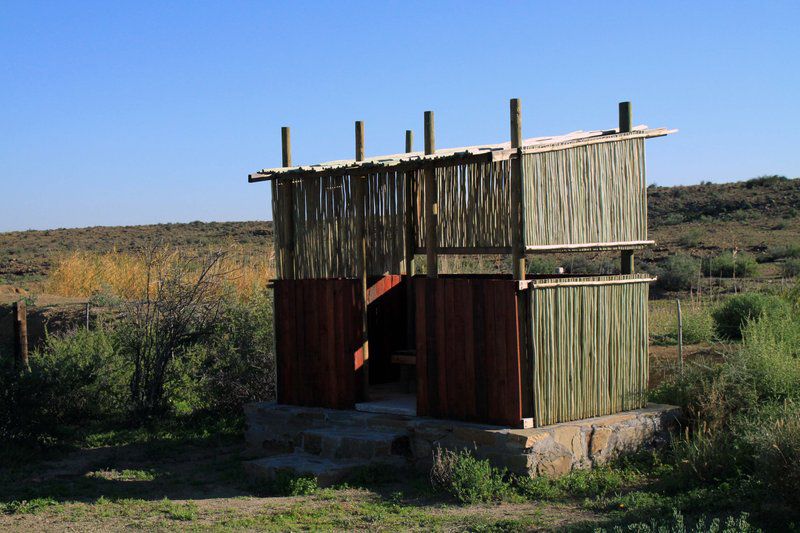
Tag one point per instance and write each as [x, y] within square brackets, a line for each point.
[130, 276]
[190, 346]
[678, 273]
[731, 265]
[733, 315]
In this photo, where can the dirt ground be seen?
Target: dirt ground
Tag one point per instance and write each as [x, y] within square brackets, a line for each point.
[163, 486]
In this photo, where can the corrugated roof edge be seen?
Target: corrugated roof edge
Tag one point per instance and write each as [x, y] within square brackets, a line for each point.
[485, 152]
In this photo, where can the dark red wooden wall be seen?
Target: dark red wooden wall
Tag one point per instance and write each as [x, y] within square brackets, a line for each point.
[318, 342]
[468, 349]
[318, 338]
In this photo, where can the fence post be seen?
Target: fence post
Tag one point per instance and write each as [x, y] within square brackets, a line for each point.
[21, 336]
[680, 335]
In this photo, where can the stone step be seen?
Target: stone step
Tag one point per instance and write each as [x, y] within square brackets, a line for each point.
[356, 443]
[327, 471]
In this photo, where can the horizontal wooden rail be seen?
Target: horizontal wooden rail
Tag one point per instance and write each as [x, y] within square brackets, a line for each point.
[533, 284]
[627, 245]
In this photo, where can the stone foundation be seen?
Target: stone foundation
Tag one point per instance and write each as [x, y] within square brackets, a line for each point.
[274, 430]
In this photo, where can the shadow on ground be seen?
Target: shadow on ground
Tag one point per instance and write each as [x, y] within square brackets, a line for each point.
[200, 469]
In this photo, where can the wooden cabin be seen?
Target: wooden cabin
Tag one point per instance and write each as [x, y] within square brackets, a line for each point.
[364, 320]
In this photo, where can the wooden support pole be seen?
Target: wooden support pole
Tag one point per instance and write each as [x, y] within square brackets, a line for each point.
[626, 262]
[517, 220]
[360, 198]
[431, 202]
[21, 336]
[410, 241]
[287, 206]
[286, 146]
[625, 117]
[518, 262]
[680, 335]
[625, 126]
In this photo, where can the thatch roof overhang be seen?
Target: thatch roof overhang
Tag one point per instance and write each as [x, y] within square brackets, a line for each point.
[479, 153]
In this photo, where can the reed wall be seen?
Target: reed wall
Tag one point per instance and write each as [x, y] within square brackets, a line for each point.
[586, 194]
[318, 215]
[474, 206]
[590, 194]
[588, 346]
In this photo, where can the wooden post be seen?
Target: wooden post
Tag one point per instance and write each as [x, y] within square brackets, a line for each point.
[518, 262]
[517, 220]
[288, 204]
[410, 243]
[360, 195]
[431, 202]
[625, 125]
[626, 262]
[680, 333]
[625, 117]
[286, 146]
[21, 336]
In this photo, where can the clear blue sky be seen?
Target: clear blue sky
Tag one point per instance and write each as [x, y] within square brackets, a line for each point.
[141, 112]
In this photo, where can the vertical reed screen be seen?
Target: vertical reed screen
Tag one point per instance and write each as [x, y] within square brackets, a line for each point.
[474, 205]
[589, 346]
[321, 222]
[586, 194]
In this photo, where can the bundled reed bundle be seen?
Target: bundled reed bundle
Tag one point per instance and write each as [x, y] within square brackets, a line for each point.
[589, 346]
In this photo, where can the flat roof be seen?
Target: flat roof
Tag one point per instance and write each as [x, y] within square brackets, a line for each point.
[447, 156]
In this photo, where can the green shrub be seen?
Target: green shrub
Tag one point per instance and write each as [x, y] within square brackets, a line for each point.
[744, 412]
[239, 361]
[286, 484]
[467, 479]
[791, 268]
[541, 265]
[692, 238]
[734, 313]
[773, 434]
[770, 357]
[698, 325]
[538, 488]
[580, 264]
[678, 272]
[783, 251]
[75, 377]
[728, 265]
[765, 181]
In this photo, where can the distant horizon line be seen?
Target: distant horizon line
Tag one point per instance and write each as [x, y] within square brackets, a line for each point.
[66, 228]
